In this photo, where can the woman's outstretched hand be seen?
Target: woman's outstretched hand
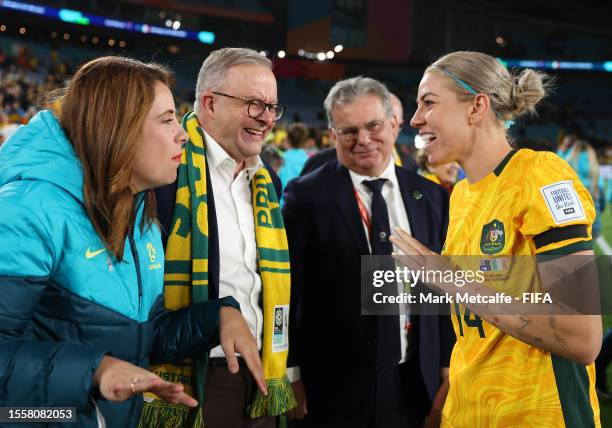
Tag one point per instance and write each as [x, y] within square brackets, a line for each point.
[119, 380]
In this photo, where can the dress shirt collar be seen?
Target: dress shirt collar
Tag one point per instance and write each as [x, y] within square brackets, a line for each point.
[388, 173]
[216, 155]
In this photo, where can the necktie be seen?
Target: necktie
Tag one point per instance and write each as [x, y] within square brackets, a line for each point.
[388, 340]
[380, 229]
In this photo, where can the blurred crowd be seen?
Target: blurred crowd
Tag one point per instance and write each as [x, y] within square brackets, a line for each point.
[24, 78]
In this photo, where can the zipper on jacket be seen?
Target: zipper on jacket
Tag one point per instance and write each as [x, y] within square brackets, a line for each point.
[137, 266]
[137, 360]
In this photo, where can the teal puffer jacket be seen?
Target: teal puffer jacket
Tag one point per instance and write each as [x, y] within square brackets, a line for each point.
[65, 301]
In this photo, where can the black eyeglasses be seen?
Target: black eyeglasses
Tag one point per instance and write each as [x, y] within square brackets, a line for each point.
[351, 133]
[257, 107]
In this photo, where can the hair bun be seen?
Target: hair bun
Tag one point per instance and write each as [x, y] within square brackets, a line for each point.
[529, 87]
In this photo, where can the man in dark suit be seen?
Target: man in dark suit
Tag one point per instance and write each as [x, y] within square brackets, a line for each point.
[405, 159]
[236, 107]
[354, 370]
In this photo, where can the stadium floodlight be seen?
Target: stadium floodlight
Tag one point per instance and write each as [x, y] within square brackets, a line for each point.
[73, 17]
[281, 54]
[338, 48]
[83, 18]
[321, 56]
[329, 54]
[557, 65]
[206, 37]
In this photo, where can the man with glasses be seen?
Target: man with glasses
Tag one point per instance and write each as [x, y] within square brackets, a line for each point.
[355, 370]
[401, 157]
[224, 231]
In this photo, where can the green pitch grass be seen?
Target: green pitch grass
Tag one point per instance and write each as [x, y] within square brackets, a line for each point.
[606, 407]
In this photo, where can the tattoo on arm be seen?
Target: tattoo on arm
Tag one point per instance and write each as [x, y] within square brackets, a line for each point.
[525, 321]
[553, 324]
[560, 339]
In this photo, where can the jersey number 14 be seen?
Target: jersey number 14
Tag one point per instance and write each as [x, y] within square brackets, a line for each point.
[470, 319]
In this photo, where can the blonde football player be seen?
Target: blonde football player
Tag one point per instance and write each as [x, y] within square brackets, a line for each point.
[521, 370]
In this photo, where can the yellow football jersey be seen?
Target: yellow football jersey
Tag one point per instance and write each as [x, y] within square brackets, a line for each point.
[532, 204]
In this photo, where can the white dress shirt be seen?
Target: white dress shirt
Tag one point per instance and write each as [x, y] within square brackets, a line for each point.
[397, 218]
[238, 275]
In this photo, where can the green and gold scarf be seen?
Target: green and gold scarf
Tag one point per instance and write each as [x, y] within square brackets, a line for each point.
[186, 282]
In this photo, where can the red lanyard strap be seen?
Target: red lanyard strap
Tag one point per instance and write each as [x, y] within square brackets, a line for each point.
[363, 212]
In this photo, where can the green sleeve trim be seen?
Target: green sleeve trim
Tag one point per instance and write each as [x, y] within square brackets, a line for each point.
[573, 387]
[564, 251]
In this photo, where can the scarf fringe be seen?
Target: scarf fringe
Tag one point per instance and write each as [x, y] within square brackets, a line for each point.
[279, 400]
[159, 414]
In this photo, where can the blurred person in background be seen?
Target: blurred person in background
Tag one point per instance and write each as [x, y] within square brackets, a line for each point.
[402, 157]
[582, 158]
[445, 174]
[320, 158]
[296, 155]
[82, 272]
[537, 369]
[564, 147]
[607, 163]
[272, 156]
[280, 137]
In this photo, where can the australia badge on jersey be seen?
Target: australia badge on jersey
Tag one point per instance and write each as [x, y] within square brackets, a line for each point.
[493, 238]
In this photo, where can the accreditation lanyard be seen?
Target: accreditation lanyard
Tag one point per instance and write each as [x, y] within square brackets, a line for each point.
[363, 212]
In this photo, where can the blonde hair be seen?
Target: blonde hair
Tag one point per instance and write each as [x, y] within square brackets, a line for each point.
[512, 94]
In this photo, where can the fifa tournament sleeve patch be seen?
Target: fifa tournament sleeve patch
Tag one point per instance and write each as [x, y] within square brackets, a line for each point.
[280, 338]
[563, 202]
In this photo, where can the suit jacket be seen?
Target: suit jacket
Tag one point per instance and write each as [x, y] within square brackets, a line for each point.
[323, 156]
[319, 159]
[166, 198]
[332, 343]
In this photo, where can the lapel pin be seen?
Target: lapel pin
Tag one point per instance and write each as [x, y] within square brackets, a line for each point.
[417, 194]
